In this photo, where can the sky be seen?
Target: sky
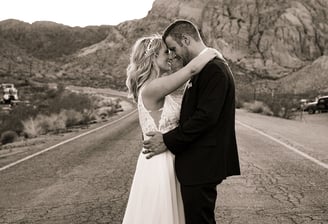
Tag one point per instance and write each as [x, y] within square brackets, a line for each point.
[75, 12]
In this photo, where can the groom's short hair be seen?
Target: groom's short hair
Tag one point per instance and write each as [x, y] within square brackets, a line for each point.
[180, 27]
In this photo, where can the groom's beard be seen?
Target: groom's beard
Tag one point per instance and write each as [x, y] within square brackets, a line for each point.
[186, 58]
[184, 61]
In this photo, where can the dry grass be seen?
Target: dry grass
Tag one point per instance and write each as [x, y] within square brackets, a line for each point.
[258, 107]
[57, 110]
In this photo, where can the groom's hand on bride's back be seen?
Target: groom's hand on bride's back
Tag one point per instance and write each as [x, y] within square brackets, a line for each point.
[155, 145]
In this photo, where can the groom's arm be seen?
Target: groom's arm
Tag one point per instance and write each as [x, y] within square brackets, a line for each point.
[213, 85]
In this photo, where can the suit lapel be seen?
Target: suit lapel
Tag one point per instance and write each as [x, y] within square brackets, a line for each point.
[187, 91]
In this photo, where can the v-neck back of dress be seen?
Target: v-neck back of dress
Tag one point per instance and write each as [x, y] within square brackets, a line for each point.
[168, 120]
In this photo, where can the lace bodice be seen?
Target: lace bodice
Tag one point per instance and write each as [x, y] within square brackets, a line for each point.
[169, 118]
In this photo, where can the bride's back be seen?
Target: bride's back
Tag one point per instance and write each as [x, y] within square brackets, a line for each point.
[162, 120]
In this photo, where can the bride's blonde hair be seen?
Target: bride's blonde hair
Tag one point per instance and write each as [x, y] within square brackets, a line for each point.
[142, 63]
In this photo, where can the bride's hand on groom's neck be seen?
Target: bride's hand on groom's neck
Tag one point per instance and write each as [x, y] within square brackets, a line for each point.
[216, 53]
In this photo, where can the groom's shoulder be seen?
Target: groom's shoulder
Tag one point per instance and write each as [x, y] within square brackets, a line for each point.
[216, 64]
[219, 62]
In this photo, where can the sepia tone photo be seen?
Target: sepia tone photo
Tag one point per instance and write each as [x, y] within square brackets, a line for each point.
[164, 112]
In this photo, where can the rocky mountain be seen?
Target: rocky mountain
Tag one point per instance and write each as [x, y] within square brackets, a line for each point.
[281, 43]
[309, 78]
[269, 39]
[49, 40]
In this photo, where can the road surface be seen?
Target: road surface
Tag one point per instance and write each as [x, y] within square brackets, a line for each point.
[87, 180]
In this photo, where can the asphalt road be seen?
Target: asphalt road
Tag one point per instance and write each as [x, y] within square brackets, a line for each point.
[87, 180]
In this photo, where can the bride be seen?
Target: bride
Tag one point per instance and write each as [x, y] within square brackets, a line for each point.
[155, 193]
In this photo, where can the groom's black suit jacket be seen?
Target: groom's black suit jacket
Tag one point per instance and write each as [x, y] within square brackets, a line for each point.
[204, 143]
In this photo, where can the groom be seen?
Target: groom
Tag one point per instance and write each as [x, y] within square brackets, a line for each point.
[204, 143]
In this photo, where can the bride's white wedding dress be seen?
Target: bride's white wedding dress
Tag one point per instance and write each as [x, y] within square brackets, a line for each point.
[155, 196]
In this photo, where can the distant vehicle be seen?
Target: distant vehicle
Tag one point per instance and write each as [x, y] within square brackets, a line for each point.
[9, 93]
[321, 105]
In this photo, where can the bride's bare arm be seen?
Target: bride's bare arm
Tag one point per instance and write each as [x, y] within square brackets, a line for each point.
[158, 88]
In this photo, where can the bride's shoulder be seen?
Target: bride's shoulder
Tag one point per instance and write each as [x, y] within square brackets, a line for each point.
[148, 90]
[145, 91]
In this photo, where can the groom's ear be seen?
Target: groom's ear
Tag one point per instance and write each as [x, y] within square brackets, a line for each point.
[185, 39]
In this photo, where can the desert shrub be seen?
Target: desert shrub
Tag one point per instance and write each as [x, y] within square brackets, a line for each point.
[52, 110]
[53, 92]
[31, 128]
[77, 118]
[239, 103]
[283, 105]
[43, 124]
[8, 137]
[67, 101]
[103, 102]
[12, 121]
[105, 112]
[105, 107]
[51, 123]
[53, 100]
[71, 117]
[258, 107]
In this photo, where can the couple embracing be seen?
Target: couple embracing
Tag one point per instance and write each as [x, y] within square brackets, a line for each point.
[188, 148]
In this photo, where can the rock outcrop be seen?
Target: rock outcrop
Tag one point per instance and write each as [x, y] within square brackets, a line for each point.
[265, 41]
